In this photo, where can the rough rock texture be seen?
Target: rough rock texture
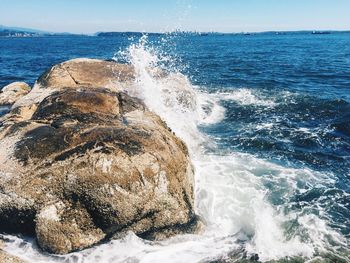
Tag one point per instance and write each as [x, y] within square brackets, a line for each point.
[84, 72]
[7, 258]
[85, 162]
[12, 92]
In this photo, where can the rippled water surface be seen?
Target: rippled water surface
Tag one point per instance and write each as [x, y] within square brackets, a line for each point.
[270, 139]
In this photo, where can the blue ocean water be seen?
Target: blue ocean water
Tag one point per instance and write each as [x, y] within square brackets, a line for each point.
[286, 100]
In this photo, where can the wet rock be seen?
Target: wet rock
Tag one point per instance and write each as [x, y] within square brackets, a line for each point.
[12, 92]
[84, 163]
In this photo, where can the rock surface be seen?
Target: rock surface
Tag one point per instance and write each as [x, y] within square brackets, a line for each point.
[12, 92]
[81, 162]
[84, 72]
[7, 258]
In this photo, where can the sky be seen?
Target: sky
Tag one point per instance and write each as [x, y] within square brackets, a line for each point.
[90, 16]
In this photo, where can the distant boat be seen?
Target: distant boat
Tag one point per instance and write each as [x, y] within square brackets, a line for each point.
[320, 32]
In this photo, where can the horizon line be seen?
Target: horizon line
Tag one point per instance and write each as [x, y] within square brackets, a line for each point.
[174, 31]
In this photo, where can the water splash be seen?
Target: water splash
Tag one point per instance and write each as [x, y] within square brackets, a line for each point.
[170, 94]
[231, 196]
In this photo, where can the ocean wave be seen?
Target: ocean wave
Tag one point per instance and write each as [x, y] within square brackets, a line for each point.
[248, 204]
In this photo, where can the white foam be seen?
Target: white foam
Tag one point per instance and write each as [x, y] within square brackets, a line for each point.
[232, 197]
[246, 97]
[171, 96]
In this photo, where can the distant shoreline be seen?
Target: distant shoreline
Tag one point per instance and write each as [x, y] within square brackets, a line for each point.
[18, 32]
[315, 32]
[127, 33]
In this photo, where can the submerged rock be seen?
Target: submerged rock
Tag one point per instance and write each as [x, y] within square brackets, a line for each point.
[82, 162]
[12, 92]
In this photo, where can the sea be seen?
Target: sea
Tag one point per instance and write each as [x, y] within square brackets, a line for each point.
[268, 131]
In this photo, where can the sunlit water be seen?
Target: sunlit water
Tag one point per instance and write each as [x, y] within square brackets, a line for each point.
[266, 119]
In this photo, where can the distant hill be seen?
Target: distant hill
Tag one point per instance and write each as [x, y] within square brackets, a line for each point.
[6, 31]
[23, 29]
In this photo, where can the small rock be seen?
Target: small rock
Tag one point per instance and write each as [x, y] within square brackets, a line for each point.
[12, 92]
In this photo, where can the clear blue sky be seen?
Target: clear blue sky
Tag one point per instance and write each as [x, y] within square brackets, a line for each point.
[88, 16]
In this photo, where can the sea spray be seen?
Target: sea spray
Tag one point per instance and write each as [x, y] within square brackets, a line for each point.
[170, 94]
[231, 201]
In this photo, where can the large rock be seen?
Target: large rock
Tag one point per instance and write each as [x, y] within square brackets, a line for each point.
[85, 162]
[12, 92]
